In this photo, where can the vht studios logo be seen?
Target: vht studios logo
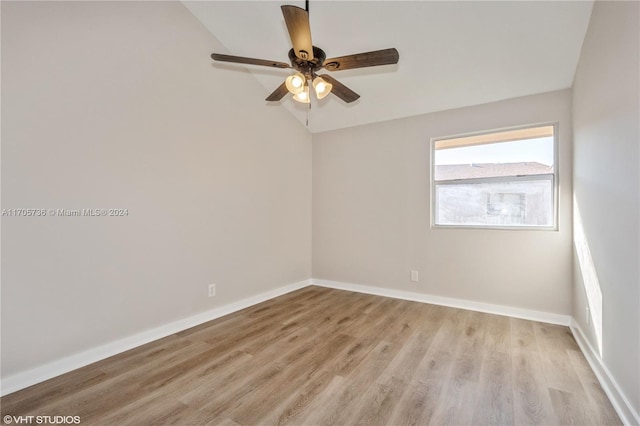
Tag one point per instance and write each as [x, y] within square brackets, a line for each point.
[41, 420]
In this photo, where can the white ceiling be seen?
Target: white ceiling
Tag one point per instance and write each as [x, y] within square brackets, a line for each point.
[452, 54]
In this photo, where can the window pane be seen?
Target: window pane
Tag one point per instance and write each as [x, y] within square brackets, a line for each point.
[510, 203]
[497, 179]
[524, 151]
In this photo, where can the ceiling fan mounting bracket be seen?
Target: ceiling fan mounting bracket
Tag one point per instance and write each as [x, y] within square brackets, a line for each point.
[332, 66]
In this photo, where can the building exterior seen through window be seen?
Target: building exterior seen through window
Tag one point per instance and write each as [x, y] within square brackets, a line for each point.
[498, 180]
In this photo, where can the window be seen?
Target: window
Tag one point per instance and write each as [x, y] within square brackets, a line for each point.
[504, 179]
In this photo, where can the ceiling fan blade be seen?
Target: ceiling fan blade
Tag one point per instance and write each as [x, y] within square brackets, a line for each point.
[297, 20]
[361, 60]
[250, 61]
[340, 90]
[278, 93]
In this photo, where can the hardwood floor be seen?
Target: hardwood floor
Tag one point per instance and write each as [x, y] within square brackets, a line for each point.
[320, 356]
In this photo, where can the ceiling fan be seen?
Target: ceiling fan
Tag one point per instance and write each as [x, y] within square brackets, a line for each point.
[308, 60]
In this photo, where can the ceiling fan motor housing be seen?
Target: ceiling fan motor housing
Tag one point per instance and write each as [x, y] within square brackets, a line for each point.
[305, 66]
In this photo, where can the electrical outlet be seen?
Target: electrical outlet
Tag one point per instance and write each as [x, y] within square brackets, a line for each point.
[414, 276]
[588, 315]
[212, 290]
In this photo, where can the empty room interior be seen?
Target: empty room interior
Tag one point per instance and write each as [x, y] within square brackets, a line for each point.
[320, 213]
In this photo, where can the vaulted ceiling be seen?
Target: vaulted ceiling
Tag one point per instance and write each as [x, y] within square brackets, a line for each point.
[452, 54]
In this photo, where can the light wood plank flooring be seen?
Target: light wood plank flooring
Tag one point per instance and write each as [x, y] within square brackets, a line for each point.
[320, 356]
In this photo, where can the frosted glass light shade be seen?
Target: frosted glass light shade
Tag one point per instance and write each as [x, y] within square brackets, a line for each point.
[295, 83]
[303, 96]
[321, 87]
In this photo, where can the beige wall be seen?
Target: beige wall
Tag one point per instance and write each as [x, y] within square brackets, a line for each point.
[117, 104]
[606, 117]
[371, 213]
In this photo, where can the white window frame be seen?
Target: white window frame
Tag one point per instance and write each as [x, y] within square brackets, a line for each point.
[434, 201]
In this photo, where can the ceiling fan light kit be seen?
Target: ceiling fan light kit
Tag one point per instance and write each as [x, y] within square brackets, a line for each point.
[308, 59]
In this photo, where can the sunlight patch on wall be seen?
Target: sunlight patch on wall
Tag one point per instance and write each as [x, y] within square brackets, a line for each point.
[589, 275]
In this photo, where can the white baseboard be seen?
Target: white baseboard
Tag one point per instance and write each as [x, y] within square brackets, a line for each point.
[448, 301]
[55, 368]
[609, 384]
